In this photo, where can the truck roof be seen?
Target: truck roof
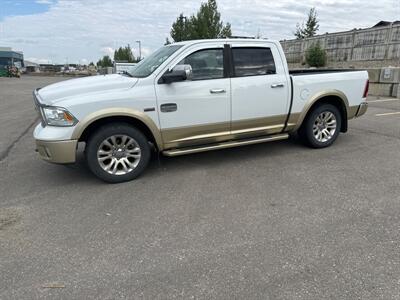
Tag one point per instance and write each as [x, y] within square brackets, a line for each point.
[228, 40]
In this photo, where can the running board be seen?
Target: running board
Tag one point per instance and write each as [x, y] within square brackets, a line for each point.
[223, 145]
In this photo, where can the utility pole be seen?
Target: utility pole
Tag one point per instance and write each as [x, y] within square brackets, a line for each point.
[140, 50]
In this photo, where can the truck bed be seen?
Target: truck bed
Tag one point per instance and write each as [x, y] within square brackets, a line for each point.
[349, 84]
[299, 72]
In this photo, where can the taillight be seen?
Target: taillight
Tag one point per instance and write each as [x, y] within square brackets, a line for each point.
[366, 89]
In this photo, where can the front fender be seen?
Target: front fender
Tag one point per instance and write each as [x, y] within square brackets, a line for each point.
[118, 112]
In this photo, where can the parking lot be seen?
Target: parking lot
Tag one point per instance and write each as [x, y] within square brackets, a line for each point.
[268, 221]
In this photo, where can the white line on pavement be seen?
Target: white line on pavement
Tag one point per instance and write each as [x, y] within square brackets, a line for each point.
[383, 100]
[388, 114]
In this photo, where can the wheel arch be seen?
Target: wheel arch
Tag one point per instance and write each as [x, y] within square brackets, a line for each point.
[333, 97]
[137, 118]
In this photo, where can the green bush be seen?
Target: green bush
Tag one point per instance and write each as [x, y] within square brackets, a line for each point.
[316, 56]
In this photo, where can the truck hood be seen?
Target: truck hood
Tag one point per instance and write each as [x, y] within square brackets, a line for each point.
[57, 92]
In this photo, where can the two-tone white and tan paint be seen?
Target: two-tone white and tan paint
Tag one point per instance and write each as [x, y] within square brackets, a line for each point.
[247, 107]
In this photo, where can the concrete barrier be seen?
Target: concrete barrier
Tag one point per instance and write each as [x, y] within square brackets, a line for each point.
[374, 75]
[390, 75]
[384, 82]
[396, 91]
[381, 89]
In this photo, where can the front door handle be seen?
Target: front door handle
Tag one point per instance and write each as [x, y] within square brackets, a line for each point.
[217, 91]
[277, 85]
[168, 107]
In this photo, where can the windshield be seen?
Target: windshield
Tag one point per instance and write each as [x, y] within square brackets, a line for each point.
[153, 61]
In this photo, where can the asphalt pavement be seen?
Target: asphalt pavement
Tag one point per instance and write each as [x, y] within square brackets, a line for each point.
[268, 221]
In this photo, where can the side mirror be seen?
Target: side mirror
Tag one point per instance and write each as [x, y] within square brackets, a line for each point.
[178, 73]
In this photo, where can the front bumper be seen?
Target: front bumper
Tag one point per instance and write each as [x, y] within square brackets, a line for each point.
[61, 152]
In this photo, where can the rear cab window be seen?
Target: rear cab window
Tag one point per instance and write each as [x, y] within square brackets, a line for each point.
[252, 61]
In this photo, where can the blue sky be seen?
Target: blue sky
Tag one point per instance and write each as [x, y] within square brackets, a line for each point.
[58, 31]
[22, 7]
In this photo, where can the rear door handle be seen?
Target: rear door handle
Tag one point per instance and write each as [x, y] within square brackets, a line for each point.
[169, 107]
[217, 91]
[277, 85]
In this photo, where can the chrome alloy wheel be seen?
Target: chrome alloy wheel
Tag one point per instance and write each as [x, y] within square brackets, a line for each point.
[324, 126]
[118, 154]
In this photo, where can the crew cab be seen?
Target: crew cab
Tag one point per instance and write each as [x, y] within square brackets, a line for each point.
[191, 97]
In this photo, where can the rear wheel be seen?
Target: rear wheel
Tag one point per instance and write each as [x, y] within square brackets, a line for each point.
[322, 126]
[117, 152]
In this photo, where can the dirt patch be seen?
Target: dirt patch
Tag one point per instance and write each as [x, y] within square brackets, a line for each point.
[9, 216]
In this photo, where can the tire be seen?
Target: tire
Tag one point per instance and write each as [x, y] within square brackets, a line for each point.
[322, 126]
[117, 152]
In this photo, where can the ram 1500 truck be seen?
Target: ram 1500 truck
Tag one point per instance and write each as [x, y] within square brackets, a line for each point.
[190, 97]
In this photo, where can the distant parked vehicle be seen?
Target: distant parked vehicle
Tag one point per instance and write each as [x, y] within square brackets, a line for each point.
[13, 71]
[191, 97]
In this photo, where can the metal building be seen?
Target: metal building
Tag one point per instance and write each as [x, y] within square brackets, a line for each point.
[8, 57]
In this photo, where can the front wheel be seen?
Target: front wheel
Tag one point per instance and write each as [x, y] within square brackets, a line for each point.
[322, 126]
[117, 152]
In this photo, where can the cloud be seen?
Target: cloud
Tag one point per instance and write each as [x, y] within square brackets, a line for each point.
[145, 52]
[107, 51]
[44, 1]
[72, 30]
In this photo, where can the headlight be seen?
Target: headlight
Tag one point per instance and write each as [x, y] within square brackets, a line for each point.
[58, 116]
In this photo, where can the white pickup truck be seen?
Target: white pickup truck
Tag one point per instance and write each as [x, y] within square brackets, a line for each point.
[190, 97]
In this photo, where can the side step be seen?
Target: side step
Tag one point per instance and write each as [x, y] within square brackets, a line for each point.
[223, 145]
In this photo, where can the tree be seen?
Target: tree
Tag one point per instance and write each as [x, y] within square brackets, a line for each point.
[226, 31]
[316, 56]
[105, 62]
[124, 54]
[205, 24]
[310, 28]
[180, 30]
[167, 41]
